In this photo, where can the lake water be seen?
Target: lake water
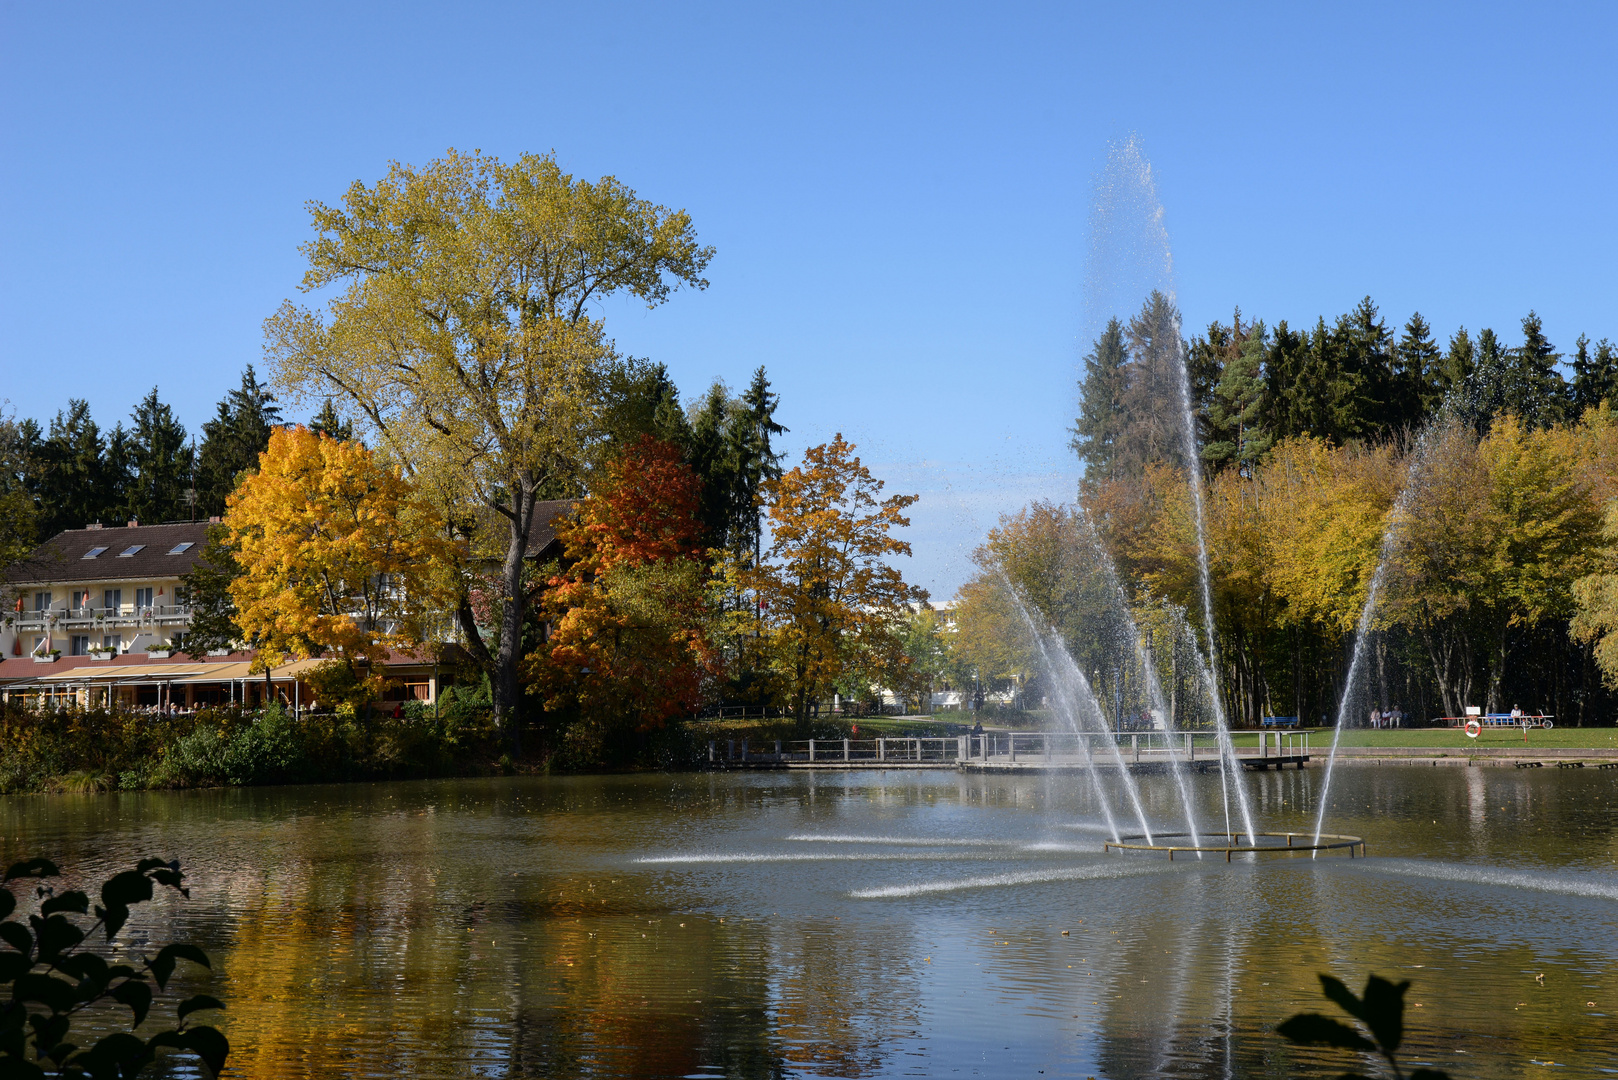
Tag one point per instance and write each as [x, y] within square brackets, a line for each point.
[868, 924]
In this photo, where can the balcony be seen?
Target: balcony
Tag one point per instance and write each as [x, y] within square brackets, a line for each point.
[128, 615]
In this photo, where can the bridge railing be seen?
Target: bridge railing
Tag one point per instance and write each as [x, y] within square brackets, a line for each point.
[1032, 746]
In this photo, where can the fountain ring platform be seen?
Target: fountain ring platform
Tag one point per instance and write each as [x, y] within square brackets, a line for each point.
[1327, 842]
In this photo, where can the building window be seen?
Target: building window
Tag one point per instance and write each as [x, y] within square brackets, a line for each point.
[81, 645]
[112, 600]
[181, 549]
[92, 553]
[130, 551]
[115, 642]
[143, 598]
[42, 601]
[182, 595]
[81, 598]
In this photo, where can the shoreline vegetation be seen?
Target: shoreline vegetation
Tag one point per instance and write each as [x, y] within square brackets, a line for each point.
[83, 751]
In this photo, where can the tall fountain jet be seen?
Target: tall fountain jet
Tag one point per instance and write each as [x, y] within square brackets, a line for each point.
[1128, 219]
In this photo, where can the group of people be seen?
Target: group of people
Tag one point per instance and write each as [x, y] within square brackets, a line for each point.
[1387, 718]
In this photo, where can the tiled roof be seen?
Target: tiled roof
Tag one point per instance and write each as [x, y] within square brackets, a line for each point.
[61, 559]
[542, 542]
[494, 531]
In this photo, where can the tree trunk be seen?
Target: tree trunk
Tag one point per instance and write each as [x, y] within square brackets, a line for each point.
[513, 611]
[1497, 667]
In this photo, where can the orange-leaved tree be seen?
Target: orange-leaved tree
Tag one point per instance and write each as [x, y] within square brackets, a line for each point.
[628, 611]
[335, 551]
[829, 601]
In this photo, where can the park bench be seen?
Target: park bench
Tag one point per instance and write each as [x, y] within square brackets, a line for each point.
[1280, 721]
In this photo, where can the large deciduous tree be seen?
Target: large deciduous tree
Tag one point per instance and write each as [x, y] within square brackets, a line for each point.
[464, 336]
[828, 596]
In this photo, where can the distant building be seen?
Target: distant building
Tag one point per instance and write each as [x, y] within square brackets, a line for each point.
[97, 589]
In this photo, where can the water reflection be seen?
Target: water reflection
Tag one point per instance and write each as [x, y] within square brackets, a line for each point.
[851, 925]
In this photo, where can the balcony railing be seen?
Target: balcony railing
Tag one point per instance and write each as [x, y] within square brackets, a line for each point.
[124, 615]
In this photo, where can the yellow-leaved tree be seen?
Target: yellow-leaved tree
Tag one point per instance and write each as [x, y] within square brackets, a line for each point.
[334, 550]
[464, 335]
[829, 601]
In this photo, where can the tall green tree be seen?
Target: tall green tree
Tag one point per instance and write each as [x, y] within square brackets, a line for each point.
[1488, 386]
[1153, 409]
[1369, 406]
[1455, 369]
[1101, 418]
[1595, 376]
[78, 481]
[1238, 435]
[329, 422]
[17, 510]
[233, 440]
[1535, 388]
[159, 463]
[1417, 383]
[752, 447]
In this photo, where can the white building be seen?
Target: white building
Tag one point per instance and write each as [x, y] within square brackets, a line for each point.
[102, 590]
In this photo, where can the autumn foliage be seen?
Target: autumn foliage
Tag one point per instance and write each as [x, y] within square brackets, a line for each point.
[627, 645]
[334, 550]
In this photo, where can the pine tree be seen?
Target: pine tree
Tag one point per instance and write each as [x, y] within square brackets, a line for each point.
[1416, 379]
[1101, 404]
[233, 440]
[1366, 405]
[713, 460]
[328, 422]
[1455, 370]
[1236, 418]
[160, 463]
[1488, 384]
[76, 487]
[1154, 410]
[752, 447]
[1595, 378]
[1283, 367]
[1535, 388]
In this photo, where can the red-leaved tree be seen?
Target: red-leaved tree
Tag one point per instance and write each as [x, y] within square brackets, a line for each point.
[629, 614]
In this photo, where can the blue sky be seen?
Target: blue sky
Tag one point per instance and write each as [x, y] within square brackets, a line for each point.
[899, 194]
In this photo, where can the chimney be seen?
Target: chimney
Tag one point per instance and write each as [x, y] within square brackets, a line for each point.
[94, 525]
[214, 520]
[133, 523]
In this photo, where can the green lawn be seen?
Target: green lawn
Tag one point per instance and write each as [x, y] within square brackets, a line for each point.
[1456, 740]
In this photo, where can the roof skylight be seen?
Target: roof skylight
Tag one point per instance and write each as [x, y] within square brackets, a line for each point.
[130, 550]
[93, 552]
[180, 549]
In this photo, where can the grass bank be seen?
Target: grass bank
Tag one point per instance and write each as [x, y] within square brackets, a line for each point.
[1455, 740]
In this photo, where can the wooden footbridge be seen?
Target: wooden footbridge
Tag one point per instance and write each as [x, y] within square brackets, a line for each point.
[1014, 752]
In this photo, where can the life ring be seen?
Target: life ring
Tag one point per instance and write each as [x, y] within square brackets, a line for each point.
[1473, 729]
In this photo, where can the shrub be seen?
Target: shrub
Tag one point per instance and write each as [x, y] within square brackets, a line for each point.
[43, 1003]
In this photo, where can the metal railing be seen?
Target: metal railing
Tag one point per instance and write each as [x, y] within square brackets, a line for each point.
[125, 614]
[1010, 746]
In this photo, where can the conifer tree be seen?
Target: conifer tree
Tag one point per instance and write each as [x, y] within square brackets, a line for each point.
[1101, 404]
[328, 422]
[1535, 388]
[77, 485]
[160, 463]
[1236, 418]
[1456, 368]
[1488, 384]
[757, 461]
[1416, 378]
[1595, 378]
[233, 440]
